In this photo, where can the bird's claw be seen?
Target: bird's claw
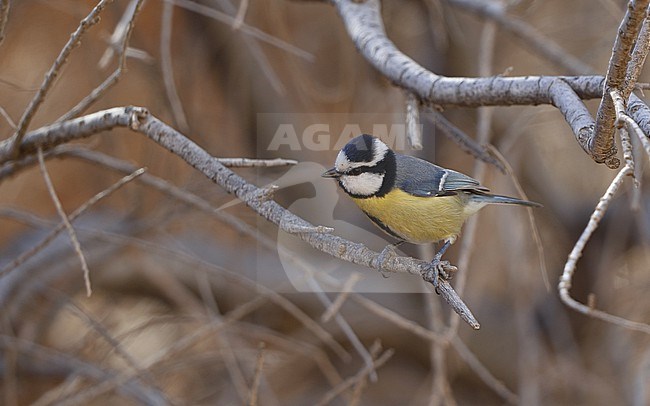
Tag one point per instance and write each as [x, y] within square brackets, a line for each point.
[439, 270]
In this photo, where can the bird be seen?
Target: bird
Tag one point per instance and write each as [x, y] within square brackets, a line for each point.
[411, 199]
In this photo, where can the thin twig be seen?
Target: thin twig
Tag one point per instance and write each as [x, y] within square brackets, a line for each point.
[355, 399]
[486, 376]
[569, 268]
[537, 238]
[261, 60]
[95, 373]
[534, 40]
[622, 120]
[90, 20]
[329, 396]
[340, 299]
[244, 28]
[640, 114]
[168, 67]
[241, 14]
[255, 163]
[114, 77]
[340, 320]
[400, 321]
[66, 221]
[7, 117]
[441, 393]
[252, 400]
[465, 143]
[115, 344]
[117, 39]
[634, 121]
[35, 248]
[413, 127]
[183, 257]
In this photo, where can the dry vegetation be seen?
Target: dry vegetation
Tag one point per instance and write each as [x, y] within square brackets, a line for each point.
[194, 296]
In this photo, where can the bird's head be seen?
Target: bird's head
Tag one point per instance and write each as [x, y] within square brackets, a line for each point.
[365, 167]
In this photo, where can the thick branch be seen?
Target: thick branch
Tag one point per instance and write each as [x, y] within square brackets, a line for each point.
[640, 112]
[602, 144]
[638, 58]
[138, 119]
[365, 27]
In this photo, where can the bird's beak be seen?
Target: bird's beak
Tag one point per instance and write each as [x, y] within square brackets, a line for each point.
[331, 173]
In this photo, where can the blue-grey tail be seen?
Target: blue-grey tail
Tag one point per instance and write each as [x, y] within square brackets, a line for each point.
[498, 199]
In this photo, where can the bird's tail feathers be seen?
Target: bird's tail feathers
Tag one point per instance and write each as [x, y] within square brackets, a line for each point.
[499, 199]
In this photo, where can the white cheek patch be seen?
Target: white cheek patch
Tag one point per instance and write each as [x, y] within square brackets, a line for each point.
[365, 184]
[342, 163]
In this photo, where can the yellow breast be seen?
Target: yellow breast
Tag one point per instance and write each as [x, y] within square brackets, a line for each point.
[417, 219]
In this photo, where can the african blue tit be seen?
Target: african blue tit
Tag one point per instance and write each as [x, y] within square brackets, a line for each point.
[409, 198]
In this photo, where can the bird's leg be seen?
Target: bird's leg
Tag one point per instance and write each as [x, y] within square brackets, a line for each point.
[437, 265]
[386, 254]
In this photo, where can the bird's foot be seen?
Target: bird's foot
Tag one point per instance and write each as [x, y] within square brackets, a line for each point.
[439, 270]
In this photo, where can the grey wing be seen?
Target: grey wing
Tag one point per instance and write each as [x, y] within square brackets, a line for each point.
[421, 178]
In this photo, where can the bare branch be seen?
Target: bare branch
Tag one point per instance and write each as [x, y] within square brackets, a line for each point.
[569, 268]
[300, 229]
[638, 58]
[114, 77]
[90, 20]
[140, 120]
[602, 145]
[329, 396]
[535, 40]
[245, 28]
[130, 388]
[252, 400]
[340, 299]
[575, 113]
[73, 216]
[537, 238]
[365, 27]
[623, 119]
[241, 14]
[7, 117]
[486, 376]
[117, 39]
[168, 67]
[71, 233]
[465, 142]
[639, 115]
[256, 51]
[413, 129]
[255, 163]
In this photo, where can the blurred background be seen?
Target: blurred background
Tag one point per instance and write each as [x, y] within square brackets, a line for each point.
[182, 299]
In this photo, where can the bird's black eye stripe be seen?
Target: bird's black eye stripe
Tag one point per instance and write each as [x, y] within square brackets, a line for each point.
[355, 171]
